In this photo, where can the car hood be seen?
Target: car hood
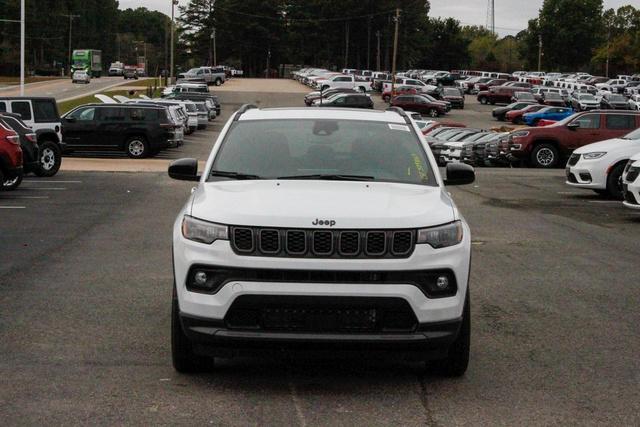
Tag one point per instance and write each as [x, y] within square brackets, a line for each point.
[297, 204]
[611, 145]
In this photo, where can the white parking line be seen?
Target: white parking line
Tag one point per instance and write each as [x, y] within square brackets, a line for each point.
[606, 201]
[47, 188]
[46, 181]
[12, 207]
[571, 193]
[25, 197]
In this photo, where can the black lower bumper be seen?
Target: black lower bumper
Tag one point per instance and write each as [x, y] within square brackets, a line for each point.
[213, 337]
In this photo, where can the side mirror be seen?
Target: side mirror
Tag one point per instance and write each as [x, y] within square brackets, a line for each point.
[459, 174]
[184, 169]
[573, 125]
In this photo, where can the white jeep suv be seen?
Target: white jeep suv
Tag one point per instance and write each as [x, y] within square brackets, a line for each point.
[321, 229]
[599, 166]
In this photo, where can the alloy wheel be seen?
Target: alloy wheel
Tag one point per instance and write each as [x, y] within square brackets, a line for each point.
[47, 159]
[545, 157]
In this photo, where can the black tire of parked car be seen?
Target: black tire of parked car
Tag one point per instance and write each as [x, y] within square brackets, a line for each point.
[614, 182]
[433, 112]
[544, 156]
[218, 81]
[483, 100]
[182, 355]
[137, 147]
[386, 98]
[457, 360]
[11, 184]
[50, 159]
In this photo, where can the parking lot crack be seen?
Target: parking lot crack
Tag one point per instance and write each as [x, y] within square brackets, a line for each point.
[424, 401]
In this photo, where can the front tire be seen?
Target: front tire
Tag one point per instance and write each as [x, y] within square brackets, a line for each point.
[137, 147]
[433, 112]
[614, 182]
[218, 82]
[544, 156]
[11, 184]
[483, 100]
[50, 159]
[182, 355]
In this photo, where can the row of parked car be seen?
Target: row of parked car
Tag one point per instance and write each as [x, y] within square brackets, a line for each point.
[34, 136]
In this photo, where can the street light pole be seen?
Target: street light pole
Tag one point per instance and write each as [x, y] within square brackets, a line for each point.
[71, 18]
[215, 59]
[395, 54]
[22, 37]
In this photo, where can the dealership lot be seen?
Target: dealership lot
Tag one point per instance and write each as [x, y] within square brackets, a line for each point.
[85, 288]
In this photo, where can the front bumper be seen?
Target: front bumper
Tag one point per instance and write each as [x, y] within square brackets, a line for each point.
[214, 338]
[631, 194]
[216, 306]
[587, 174]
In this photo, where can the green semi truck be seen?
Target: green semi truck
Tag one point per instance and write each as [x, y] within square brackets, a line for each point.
[88, 60]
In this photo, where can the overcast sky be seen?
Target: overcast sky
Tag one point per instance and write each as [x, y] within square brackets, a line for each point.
[511, 15]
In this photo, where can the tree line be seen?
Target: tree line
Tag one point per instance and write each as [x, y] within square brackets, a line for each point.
[253, 35]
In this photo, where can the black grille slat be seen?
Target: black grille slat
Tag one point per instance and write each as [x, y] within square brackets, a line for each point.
[402, 242]
[243, 239]
[632, 174]
[322, 243]
[296, 242]
[349, 243]
[269, 241]
[376, 243]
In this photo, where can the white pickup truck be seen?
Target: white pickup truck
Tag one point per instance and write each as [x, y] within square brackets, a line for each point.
[342, 81]
[421, 86]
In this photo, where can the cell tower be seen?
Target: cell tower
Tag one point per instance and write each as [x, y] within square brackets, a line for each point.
[491, 16]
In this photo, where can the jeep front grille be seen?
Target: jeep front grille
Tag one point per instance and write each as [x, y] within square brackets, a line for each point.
[309, 243]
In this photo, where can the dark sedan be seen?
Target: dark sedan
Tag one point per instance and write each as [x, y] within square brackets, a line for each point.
[501, 112]
[347, 100]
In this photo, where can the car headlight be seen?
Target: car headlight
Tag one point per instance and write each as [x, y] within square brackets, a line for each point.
[441, 236]
[520, 134]
[203, 231]
[594, 155]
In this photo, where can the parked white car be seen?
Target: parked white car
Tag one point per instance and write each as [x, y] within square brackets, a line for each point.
[634, 102]
[81, 76]
[418, 84]
[631, 183]
[372, 252]
[342, 81]
[599, 166]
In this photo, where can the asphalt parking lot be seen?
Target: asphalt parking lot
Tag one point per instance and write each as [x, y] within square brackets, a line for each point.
[85, 289]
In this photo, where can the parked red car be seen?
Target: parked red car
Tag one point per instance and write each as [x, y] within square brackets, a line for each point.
[10, 155]
[546, 147]
[420, 104]
[399, 90]
[499, 94]
[545, 122]
[515, 116]
[485, 86]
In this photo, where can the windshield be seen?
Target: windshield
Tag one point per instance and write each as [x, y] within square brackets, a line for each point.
[617, 98]
[587, 98]
[633, 135]
[452, 92]
[269, 149]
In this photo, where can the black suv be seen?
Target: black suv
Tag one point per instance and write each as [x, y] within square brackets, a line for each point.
[348, 100]
[138, 130]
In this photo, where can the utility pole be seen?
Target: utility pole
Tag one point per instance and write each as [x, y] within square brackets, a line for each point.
[71, 18]
[395, 53]
[539, 52]
[213, 36]
[369, 43]
[173, 4]
[378, 52]
[346, 47]
[606, 72]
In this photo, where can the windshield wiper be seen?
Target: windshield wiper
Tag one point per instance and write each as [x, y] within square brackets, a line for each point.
[234, 175]
[331, 177]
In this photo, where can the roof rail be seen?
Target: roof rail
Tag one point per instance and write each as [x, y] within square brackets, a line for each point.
[243, 110]
[400, 111]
